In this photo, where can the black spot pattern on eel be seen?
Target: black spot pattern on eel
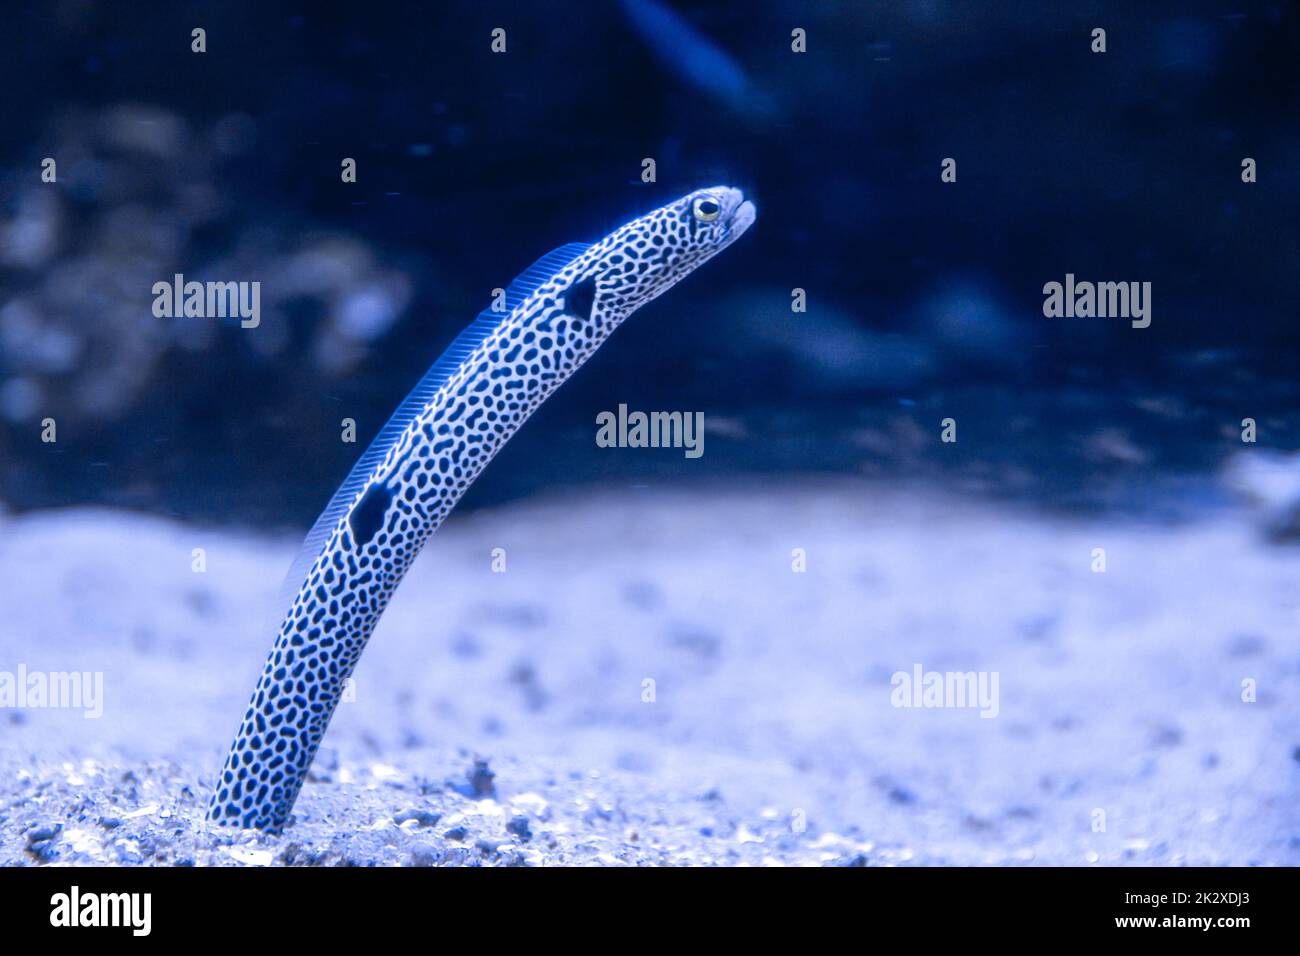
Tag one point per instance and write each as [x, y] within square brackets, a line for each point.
[543, 340]
[367, 516]
[580, 298]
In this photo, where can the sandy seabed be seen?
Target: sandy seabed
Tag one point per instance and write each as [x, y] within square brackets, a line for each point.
[503, 719]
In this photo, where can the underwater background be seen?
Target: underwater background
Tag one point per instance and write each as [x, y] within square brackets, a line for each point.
[1122, 691]
[924, 298]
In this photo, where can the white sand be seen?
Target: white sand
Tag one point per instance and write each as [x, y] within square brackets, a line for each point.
[1120, 693]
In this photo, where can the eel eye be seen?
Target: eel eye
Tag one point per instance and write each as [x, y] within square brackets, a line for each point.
[707, 209]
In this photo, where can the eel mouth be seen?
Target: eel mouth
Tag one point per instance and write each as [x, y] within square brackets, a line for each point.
[742, 218]
[738, 212]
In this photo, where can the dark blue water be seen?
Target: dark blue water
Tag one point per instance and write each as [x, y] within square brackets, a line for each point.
[924, 297]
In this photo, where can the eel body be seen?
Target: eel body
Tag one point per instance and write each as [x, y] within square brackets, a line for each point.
[487, 383]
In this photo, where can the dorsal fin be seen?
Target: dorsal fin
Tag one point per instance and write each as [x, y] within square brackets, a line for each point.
[545, 268]
[487, 321]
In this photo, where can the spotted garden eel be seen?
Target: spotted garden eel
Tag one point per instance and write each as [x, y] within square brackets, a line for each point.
[489, 380]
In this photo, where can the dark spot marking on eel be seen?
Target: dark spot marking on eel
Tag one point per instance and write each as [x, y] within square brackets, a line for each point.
[368, 515]
[580, 297]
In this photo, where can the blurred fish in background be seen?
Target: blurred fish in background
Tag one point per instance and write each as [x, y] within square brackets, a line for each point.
[694, 58]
